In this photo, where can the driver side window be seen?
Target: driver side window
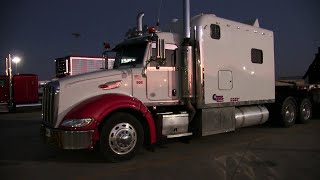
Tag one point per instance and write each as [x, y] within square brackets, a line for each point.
[170, 58]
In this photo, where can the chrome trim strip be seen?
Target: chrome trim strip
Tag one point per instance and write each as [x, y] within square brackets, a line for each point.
[28, 105]
[179, 135]
[240, 103]
[163, 103]
[161, 68]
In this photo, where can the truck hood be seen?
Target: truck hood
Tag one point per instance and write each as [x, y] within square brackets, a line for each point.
[75, 89]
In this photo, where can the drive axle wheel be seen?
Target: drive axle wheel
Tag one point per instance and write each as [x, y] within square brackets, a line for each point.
[288, 112]
[305, 111]
[121, 137]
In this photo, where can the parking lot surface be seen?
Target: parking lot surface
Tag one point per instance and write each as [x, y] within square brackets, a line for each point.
[260, 152]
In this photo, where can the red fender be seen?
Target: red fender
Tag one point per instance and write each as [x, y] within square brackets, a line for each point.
[100, 106]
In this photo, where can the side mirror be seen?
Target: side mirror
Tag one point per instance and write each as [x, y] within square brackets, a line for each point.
[106, 55]
[160, 47]
[106, 59]
[159, 57]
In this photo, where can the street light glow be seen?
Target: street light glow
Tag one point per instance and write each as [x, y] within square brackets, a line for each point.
[16, 60]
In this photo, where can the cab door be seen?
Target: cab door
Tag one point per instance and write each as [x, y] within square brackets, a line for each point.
[162, 80]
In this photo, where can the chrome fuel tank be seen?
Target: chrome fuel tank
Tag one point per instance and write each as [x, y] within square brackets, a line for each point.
[251, 115]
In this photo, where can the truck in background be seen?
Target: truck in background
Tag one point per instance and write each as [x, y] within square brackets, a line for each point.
[209, 76]
[72, 65]
[305, 96]
[17, 91]
[24, 92]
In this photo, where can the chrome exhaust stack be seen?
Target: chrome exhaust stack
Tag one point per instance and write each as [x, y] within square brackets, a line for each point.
[139, 23]
[188, 67]
[186, 18]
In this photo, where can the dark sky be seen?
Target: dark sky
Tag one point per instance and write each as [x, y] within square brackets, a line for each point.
[40, 31]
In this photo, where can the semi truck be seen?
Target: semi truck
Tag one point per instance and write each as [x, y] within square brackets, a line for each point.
[208, 76]
[73, 65]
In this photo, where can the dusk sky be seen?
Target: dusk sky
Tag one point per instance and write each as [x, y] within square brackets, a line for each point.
[40, 31]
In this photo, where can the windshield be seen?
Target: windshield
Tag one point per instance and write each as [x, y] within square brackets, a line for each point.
[130, 54]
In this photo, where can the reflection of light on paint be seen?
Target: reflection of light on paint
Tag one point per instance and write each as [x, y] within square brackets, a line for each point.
[165, 80]
[244, 68]
[160, 85]
[126, 84]
[252, 72]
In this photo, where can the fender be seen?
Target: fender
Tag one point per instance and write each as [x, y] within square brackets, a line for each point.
[100, 106]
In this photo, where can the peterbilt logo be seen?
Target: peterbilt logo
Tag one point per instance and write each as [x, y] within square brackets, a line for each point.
[217, 98]
[110, 85]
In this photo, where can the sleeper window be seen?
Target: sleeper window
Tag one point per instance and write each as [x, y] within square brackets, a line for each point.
[215, 31]
[256, 56]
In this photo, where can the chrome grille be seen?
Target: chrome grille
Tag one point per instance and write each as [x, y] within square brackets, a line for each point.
[50, 103]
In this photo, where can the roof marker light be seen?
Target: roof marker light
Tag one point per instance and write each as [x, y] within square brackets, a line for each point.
[152, 30]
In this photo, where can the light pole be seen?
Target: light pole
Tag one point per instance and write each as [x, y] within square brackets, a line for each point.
[16, 60]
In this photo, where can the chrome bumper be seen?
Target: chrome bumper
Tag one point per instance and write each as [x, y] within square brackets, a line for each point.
[67, 139]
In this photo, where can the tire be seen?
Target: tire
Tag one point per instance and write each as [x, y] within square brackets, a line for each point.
[288, 112]
[305, 111]
[121, 137]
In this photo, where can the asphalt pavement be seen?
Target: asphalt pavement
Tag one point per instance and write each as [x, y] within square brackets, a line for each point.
[259, 152]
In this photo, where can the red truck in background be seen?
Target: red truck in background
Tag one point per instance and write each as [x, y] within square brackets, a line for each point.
[24, 91]
[25, 88]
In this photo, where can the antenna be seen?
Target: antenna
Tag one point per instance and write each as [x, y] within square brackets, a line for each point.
[159, 11]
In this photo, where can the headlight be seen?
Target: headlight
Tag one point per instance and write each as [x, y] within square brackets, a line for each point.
[76, 122]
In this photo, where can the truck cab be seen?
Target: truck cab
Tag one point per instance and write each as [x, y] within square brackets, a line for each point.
[153, 82]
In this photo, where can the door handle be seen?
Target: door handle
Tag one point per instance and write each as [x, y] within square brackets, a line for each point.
[174, 92]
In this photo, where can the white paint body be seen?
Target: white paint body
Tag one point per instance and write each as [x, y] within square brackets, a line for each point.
[228, 70]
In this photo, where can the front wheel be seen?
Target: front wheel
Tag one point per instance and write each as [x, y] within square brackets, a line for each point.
[121, 137]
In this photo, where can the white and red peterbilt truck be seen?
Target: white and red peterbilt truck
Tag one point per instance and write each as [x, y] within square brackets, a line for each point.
[210, 76]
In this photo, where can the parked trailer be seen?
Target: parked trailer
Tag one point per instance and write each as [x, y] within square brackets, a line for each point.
[24, 91]
[302, 99]
[211, 78]
[73, 65]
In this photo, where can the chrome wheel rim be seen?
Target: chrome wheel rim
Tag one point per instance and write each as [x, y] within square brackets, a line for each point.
[289, 113]
[122, 138]
[306, 111]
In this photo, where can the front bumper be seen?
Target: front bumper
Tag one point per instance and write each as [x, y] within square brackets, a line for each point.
[67, 139]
